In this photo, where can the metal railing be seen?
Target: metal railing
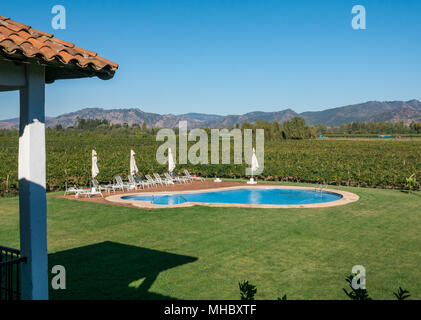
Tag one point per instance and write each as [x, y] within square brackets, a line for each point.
[10, 262]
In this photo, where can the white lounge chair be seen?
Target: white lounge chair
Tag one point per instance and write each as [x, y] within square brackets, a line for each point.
[181, 178]
[99, 187]
[151, 181]
[88, 193]
[159, 180]
[174, 178]
[134, 183]
[169, 178]
[143, 182]
[189, 176]
[72, 190]
[120, 185]
[162, 181]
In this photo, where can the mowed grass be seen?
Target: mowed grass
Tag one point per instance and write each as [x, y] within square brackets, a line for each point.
[113, 252]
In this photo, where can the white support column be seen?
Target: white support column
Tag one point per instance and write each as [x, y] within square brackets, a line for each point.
[32, 181]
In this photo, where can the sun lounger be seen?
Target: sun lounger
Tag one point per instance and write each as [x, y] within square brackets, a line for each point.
[120, 185]
[159, 180]
[169, 178]
[135, 183]
[143, 182]
[189, 176]
[181, 178]
[162, 181]
[174, 178]
[99, 187]
[72, 190]
[88, 193]
[151, 181]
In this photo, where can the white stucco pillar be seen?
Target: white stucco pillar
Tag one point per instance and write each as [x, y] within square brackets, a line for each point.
[32, 181]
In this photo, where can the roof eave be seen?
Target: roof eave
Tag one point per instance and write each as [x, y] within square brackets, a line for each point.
[55, 70]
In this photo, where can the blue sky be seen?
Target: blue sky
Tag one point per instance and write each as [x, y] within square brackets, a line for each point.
[229, 57]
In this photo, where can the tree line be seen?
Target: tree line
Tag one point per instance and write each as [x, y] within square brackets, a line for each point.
[294, 129]
[371, 127]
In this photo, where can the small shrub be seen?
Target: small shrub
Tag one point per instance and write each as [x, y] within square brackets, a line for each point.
[402, 294]
[247, 290]
[411, 183]
[355, 294]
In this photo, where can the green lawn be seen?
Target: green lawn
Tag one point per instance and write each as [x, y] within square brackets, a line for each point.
[202, 253]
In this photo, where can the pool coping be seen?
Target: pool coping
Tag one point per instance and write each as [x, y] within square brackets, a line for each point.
[347, 197]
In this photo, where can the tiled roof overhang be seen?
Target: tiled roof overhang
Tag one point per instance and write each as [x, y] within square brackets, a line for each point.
[62, 59]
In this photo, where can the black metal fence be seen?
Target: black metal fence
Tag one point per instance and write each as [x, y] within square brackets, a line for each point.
[10, 262]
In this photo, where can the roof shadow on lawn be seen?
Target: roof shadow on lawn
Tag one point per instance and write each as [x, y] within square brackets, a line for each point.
[105, 270]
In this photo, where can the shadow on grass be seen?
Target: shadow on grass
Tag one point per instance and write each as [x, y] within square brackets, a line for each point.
[412, 193]
[111, 270]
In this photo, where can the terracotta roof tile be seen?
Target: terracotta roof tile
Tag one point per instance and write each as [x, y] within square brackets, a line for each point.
[72, 51]
[5, 31]
[9, 46]
[90, 53]
[20, 41]
[30, 50]
[62, 42]
[14, 27]
[36, 43]
[108, 62]
[66, 57]
[24, 34]
[48, 53]
[41, 33]
[17, 39]
[19, 25]
[53, 45]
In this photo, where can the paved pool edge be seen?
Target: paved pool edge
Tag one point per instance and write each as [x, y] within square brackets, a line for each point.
[347, 197]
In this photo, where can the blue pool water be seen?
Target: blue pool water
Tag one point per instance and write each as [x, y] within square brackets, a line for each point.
[244, 196]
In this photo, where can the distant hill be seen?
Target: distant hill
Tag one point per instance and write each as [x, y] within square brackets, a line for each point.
[201, 116]
[136, 116]
[389, 111]
[393, 111]
[231, 120]
[9, 123]
[405, 114]
[119, 116]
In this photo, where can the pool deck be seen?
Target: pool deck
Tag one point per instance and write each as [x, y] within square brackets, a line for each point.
[199, 187]
[195, 185]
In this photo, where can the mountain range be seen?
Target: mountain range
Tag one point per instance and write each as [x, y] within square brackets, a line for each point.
[389, 111]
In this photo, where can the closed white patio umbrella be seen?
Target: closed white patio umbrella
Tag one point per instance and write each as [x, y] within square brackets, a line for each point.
[95, 170]
[133, 167]
[254, 167]
[171, 162]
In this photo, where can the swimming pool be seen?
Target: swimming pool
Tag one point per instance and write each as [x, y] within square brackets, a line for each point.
[242, 196]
